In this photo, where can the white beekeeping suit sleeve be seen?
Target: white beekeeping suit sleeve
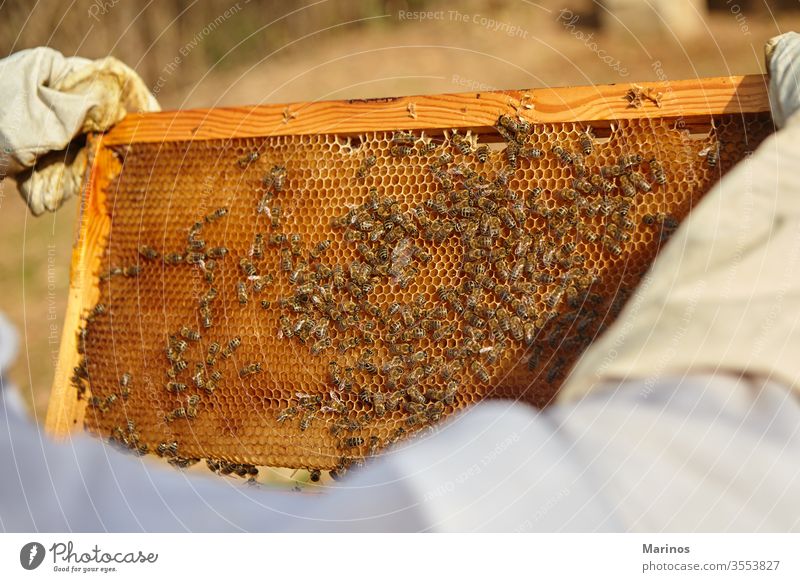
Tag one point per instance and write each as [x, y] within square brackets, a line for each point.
[47, 101]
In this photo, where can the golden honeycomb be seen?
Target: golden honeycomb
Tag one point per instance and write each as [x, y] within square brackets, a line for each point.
[474, 279]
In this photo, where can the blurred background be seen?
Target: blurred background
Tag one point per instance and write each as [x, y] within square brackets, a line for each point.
[213, 53]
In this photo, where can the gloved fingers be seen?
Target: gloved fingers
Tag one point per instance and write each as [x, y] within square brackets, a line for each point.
[48, 100]
[114, 86]
[57, 177]
[782, 55]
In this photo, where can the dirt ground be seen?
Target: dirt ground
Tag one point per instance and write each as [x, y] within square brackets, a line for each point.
[534, 45]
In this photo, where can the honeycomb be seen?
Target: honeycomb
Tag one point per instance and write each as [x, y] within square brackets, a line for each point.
[305, 301]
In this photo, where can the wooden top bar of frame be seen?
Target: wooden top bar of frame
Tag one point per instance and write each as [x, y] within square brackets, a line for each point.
[593, 105]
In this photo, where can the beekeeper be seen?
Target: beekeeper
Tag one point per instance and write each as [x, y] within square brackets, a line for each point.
[684, 416]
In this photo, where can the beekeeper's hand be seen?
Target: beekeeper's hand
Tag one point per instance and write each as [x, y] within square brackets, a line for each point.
[48, 103]
[724, 295]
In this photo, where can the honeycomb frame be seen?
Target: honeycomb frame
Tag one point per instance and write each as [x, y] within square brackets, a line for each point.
[145, 171]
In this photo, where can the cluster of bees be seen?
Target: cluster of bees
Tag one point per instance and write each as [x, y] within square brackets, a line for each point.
[184, 380]
[381, 355]
[523, 281]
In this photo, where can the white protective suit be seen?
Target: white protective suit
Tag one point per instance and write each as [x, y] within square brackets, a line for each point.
[683, 417]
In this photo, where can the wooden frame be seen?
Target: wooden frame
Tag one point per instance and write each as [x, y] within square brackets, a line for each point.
[689, 102]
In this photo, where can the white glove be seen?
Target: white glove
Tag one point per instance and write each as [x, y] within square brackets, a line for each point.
[48, 100]
[724, 295]
[782, 54]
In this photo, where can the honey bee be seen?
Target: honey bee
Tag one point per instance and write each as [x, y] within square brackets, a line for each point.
[511, 152]
[534, 358]
[275, 215]
[220, 212]
[617, 233]
[287, 413]
[320, 346]
[507, 218]
[148, 253]
[379, 404]
[196, 243]
[217, 253]
[114, 271]
[278, 174]
[241, 292]
[426, 147]
[415, 395]
[612, 171]
[612, 246]
[189, 334]
[286, 260]
[712, 155]
[669, 222]
[516, 271]
[482, 153]
[639, 181]
[463, 144]
[258, 246]
[450, 369]
[314, 475]
[579, 163]
[173, 258]
[335, 374]
[125, 380]
[479, 371]
[247, 159]
[306, 419]
[530, 153]
[320, 248]
[99, 309]
[233, 345]
[180, 365]
[277, 240]
[564, 155]
[194, 258]
[517, 329]
[602, 184]
[554, 297]
[503, 293]
[657, 172]
[507, 123]
[630, 160]
[586, 141]
[175, 387]
[348, 344]
[403, 137]
[249, 370]
[567, 194]
[626, 186]
[367, 366]
[179, 412]
[367, 163]
[586, 233]
[502, 270]
[401, 151]
[352, 442]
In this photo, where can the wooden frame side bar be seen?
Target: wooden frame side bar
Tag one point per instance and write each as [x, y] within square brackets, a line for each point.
[65, 412]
